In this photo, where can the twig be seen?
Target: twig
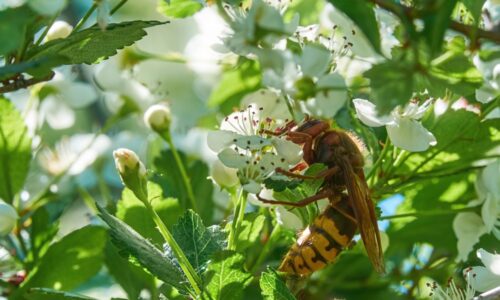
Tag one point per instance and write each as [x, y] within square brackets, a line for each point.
[24, 83]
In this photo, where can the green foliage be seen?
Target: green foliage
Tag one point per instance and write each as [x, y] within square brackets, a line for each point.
[133, 279]
[42, 231]
[273, 288]
[198, 242]
[14, 25]
[308, 10]
[436, 20]
[131, 244]
[250, 231]
[361, 12]
[49, 294]
[133, 212]
[235, 83]
[173, 185]
[226, 277]
[179, 8]
[475, 8]
[15, 150]
[70, 261]
[391, 84]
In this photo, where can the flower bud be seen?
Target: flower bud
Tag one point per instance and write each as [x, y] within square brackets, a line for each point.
[59, 30]
[8, 218]
[158, 117]
[132, 172]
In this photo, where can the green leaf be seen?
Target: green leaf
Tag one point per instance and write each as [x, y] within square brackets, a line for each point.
[226, 277]
[42, 231]
[13, 27]
[38, 67]
[273, 288]
[436, 20]
[279, 185]
[179, 8]
[171, 181]
[363, 15]
[196, 241]
[93, 45]
[71, 261]
[131, 243]
[475, 8]
[133, 212]
[15, 151]
[391, 84]
[236, 83]
[49, 294]
[133, 279]
[250, 230]
[309, 11]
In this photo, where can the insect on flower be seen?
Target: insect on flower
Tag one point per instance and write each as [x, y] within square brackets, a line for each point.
[350, 206]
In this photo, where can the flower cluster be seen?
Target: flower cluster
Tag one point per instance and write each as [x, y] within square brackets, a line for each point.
[245, 143]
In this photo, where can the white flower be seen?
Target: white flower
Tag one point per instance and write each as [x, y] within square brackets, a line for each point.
[225, 177]
[47, 8]
[403, 127]
[262, 26]
[58, 30]
[8, 218]
[469, 226]
[452, 292]
[243, 144]
[60, 96]
[73, 154]
[487, 277]
[158, 117]
[103, 13]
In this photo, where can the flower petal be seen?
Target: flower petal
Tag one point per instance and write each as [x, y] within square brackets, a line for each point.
[273, 105]
[252, 187]
[315, 60]
[232, 159]
[410, 135]
[291, 152]
[220, 139]
[490, 211]
[367, 113]
[224, 176]
[77, 94]
[57, 114]
[490, 261]
[490, 177]
[288, 219]
[468, 228]
[483, 280]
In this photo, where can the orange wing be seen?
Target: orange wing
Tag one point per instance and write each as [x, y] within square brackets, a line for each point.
[364, 211]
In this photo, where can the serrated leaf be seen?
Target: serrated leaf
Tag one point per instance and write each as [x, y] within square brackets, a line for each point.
[196, 241]
[49, 294]
[391, 84]
[133, 279]
[279, 185]
[131, 243]
[235, 83]
[133, 212]
[250, 231]
[37, 68]
[92, 45]
[436, 21]
[179, 8]
[71, 261]
[13, 26]
[15, 150]
[363, 15]
[226, 277]
[273, 288]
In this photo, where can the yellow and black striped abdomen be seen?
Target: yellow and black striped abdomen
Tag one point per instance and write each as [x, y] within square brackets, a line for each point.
[322, 241]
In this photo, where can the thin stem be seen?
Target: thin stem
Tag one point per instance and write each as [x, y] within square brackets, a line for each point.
[380, 158]
[239, 212]
[44, 33]
[185, 179]
[267, 247]
[186, 267]
[117, 7]
[85, 17]
[428, 213]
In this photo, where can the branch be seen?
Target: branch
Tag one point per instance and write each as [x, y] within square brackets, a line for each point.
[405, 12]
[22, 83]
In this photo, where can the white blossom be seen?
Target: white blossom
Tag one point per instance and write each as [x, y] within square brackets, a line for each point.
[403, 126]
[158, 117]
[59, 30]
[487, 277]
